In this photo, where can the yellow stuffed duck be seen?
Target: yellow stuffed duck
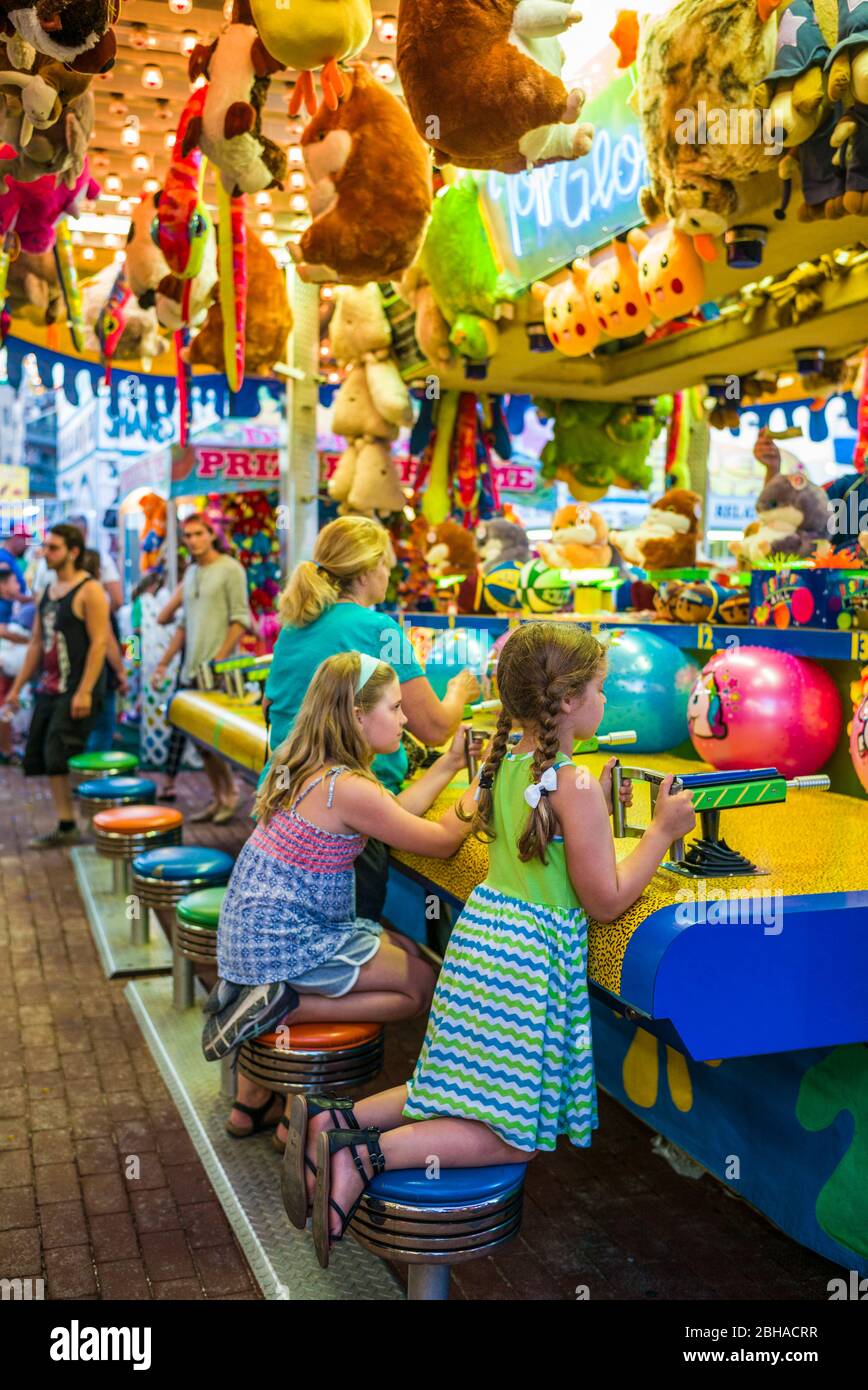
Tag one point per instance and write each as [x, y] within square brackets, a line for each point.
[314, 34]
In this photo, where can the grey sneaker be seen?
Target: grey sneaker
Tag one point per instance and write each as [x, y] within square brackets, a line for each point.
[255, 1010]
[56, 839]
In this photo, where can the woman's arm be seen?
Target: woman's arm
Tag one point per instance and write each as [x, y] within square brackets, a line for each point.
[369, 809]
[434, 721]
[605, 887]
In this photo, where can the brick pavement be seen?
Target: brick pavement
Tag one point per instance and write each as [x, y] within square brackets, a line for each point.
[79, 1094]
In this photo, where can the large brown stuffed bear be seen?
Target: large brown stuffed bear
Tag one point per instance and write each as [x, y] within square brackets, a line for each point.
[482, 81]
[352, 154]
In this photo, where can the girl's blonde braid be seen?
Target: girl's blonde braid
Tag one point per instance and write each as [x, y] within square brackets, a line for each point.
[541, 821]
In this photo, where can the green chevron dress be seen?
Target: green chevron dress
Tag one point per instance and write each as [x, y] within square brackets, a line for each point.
[509, 1036]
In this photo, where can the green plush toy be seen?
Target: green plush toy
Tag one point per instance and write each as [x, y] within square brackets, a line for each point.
[598, 444]
[458, 262]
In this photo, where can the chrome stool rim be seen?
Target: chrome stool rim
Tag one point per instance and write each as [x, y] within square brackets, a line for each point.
[118, 846]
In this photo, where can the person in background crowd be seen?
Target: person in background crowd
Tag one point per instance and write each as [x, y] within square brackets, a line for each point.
[101, 738]
[68, 648]
[12, 550]
[328, 607]
[216, 614]
[14, 640]
[110, 574]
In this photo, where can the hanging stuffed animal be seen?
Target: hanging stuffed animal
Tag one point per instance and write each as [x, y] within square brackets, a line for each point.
[848, 80]
[361, 335]
[701, 56]
[76, 33]
[672, 270]
[482, 79]
[267, 327]
[182, 226]
[597, 444]
[431, 328]
[60, 147]
[315, 35]
[152, 535]
[458, 261]
[152, 281]
[34, 105]
[120, 329]
[794, 99]
[33, 208]
[614, 294]
[570, 321]
[352, 152]
[229, 129]
[668, 537]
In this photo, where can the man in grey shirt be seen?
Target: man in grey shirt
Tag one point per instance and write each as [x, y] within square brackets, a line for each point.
[216, 613]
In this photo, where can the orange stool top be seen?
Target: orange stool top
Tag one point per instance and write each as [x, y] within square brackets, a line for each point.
[322, 1037]
[136, 820]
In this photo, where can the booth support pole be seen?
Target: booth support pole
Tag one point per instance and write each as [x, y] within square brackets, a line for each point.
[300, 483]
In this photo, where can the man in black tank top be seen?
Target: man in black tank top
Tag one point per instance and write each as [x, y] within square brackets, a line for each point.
[68, 650]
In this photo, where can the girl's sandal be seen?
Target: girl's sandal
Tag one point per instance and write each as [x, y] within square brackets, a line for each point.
[302, 1111]
[256, 1113]
[330, 1142]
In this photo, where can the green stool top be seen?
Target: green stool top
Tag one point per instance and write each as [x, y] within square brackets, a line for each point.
[201, 909]
[103, 762]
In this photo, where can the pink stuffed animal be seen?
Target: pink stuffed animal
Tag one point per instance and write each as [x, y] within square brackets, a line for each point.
[35, 207]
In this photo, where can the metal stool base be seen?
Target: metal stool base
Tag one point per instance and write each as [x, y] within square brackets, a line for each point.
[303, 1071]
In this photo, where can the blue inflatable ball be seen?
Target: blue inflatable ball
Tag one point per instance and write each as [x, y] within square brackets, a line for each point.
[647, 689]
[455, 650]
[501, 587]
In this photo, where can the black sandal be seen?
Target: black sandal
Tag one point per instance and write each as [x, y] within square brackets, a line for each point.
[257, 1114]
[292, 1183]
[330, 1142]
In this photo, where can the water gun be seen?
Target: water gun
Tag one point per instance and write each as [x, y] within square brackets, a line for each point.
[232, 258]
[66, 274]
[711, 792]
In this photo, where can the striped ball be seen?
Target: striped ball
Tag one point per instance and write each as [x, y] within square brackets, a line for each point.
[543, 589]
[501, 587]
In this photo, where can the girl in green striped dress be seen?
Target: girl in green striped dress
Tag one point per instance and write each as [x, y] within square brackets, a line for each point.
[506, 1065]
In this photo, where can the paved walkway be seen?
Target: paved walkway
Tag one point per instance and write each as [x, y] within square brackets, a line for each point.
[80, 1098]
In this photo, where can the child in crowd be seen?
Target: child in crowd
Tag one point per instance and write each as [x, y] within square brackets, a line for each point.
[288, 927]
[506, 1065]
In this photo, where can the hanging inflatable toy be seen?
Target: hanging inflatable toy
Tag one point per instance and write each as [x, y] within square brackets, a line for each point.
[112, 321]
[68, 277]
[232, 248]
[318, 36]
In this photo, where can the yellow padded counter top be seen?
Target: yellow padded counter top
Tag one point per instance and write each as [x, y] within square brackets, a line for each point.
[816, 843]
[231, 727]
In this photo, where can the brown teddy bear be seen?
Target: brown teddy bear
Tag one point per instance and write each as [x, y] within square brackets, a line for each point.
[450, 550]
[482, 81]
[668, 537]
[352, 154]
[269, 317]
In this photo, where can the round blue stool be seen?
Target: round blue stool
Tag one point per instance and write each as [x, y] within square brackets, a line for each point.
[431, 1224]
[162, 877]
[103, 793]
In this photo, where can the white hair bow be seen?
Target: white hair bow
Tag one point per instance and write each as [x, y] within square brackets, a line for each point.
[547, 783]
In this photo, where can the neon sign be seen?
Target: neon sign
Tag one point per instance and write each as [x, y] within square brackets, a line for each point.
[540, 221]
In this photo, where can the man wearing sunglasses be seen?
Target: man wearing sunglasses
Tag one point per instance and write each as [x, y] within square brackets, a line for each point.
[68, 650]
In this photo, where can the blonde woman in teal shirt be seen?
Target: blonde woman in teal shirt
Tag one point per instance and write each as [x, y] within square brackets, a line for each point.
[329, 606]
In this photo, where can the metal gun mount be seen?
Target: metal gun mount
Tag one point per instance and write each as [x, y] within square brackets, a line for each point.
[589, 745]
[712, 792]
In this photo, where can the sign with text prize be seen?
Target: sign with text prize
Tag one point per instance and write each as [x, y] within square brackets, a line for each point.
[539, 222]
[212, 468]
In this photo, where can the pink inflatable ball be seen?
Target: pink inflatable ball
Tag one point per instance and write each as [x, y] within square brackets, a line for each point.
[859, 742]
[755, 707]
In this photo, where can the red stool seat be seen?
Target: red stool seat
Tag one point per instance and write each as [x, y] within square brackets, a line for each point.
[137, 820]
[323, 1037]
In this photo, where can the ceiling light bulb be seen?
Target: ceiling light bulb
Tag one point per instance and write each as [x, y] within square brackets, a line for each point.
[296, 154]
[297, 179]
[298, 202]
[269, 238]
[113, 184]
[325, 351]
[266, 219]
[263, 198]
[169, 139]
[386, 26]
[327, 292]
[152, 77]
[125, 207]
[131, 133]
[111, 241]
[88, 253]
[201, 81]
[188, 41]
[180, 6]
[138, 36]
[141, 164]
[117, 105]
[151, 185]
[228, 7]
[383, 69]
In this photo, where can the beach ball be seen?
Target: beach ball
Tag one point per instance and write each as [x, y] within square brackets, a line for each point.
[500, 587]
[647, 689]
[543, 589]
[455, 650]
[755, 707]
[859, 742]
